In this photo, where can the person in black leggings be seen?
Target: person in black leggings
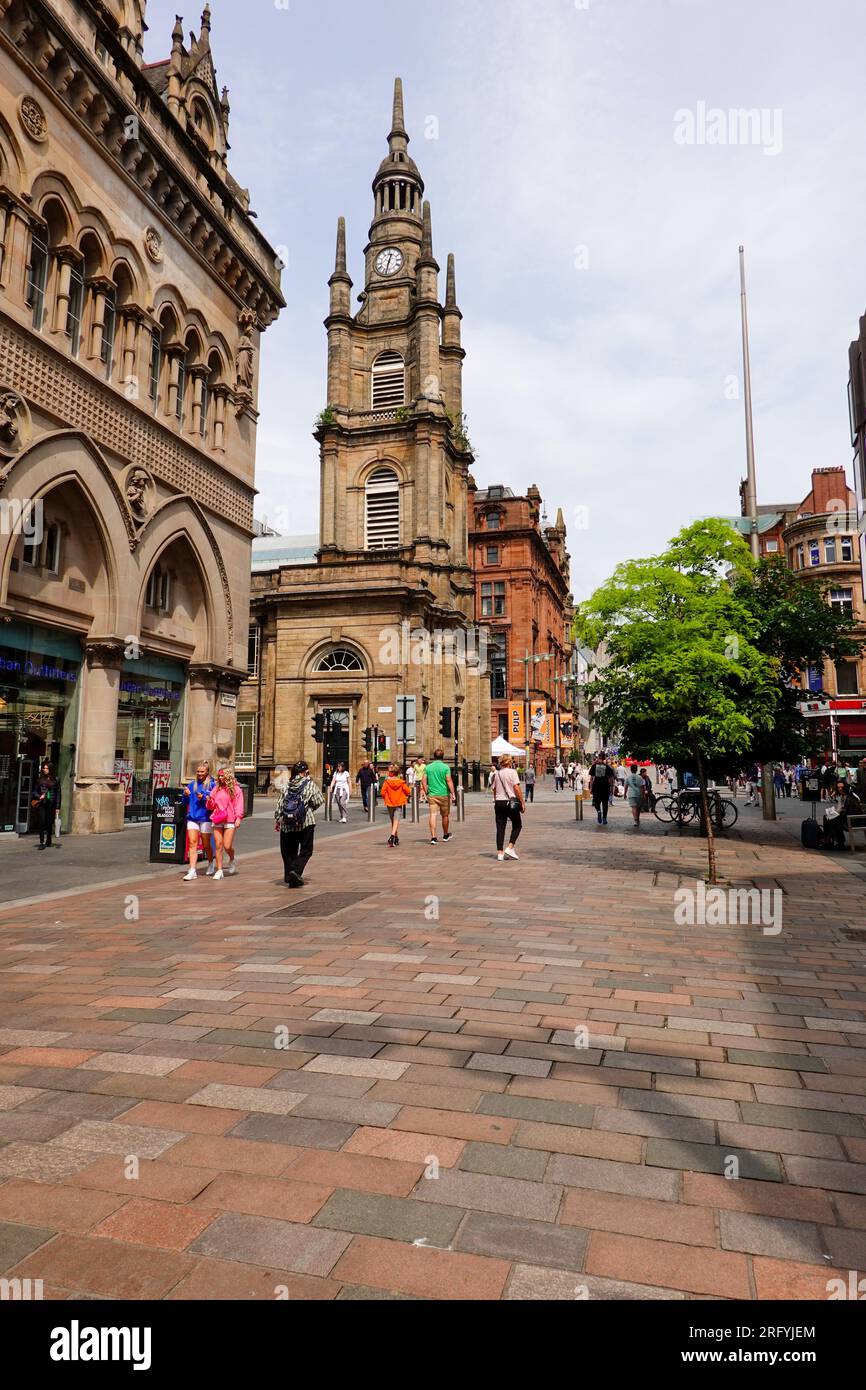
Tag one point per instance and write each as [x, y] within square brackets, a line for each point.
[508, 804]
[46, 804]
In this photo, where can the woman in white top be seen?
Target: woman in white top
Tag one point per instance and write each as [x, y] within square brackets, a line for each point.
[341, 790]
[508, 805]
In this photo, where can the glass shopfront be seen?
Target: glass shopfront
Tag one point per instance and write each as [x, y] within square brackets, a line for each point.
[149, 741]
[40, 672]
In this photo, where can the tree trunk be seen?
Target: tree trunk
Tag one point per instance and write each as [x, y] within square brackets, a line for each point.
[706, 817]
[769, 791]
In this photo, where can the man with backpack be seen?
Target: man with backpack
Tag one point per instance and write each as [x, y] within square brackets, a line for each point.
[295, 819]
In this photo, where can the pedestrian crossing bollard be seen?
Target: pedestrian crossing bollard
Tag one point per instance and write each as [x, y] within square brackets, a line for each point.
[371, 805]
[329, 806]
[415, 804]
[461, 804]
[578, 807]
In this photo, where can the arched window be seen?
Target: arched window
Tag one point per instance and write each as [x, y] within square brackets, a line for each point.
[158, 593]
[382, 510]
[45, 237]
[389, 381]
[340, 659]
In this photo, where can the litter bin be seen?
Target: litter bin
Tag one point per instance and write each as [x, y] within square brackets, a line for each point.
[247, 780]
[168, 827]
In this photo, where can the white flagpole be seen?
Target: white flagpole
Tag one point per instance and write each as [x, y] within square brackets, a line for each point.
[751, 485]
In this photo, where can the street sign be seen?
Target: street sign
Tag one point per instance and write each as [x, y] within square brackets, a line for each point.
[406, 718]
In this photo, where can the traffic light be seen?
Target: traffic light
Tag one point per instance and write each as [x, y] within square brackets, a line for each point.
[383, 742]
[319, 728]
[368, 740]
[445, 722]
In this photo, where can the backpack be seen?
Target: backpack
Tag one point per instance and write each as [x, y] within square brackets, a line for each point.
[293, 809]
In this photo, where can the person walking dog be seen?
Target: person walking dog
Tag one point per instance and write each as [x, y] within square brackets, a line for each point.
[508, 807]
[295, 820]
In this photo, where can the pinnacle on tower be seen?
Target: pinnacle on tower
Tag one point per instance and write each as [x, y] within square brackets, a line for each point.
[398, 120]
[205, 19]
[340, 257]
[427, 233]
[451, 284]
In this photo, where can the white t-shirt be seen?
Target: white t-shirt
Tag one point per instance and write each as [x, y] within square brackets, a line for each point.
[341, 784]
[505, 783]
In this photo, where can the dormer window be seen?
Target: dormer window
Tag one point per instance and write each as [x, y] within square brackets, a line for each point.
[389, 381]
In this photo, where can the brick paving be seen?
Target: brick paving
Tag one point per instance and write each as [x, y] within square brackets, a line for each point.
[214, 1100]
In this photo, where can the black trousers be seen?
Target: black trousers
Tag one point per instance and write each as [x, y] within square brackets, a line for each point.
[296, 847]
[601, 802]
[504, 815]
[530, 791]
[45, 822]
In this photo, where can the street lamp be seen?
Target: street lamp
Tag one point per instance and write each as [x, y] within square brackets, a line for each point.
[568, 680]
[529, 660]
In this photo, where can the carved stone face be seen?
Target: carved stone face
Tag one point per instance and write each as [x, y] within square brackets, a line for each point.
[137, 488]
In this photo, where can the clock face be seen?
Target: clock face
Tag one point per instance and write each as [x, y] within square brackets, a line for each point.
[389, 261]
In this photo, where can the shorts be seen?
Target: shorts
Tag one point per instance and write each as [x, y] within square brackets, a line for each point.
[443, 802]
[204, 827]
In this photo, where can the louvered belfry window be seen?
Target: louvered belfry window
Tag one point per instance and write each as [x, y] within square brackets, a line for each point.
[383, 510]
[389, 381]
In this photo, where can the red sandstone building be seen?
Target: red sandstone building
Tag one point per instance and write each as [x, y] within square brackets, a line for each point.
[522, 596]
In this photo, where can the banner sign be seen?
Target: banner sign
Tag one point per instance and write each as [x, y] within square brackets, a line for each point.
[539, 722]
[516, 725]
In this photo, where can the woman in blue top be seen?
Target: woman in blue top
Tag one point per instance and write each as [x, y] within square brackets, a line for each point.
[195, 795]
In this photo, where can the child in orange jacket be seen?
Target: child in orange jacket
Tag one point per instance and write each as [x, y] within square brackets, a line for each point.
[395, 794]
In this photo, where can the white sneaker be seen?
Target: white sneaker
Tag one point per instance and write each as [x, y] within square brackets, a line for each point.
[232, 869]
[343, 820]
[218, 874]
[511, 854]
[188, 878]
[500, 855]
[211, 869]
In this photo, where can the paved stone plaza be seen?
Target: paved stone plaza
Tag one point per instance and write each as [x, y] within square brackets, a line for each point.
[364, 1099]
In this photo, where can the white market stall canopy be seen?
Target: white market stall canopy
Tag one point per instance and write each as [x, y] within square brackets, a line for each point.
[500, 746]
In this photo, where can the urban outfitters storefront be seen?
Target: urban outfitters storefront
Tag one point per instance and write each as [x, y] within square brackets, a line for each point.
[149, 742]
[40, 678]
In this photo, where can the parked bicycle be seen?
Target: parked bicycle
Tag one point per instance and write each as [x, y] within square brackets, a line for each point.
[684, 807]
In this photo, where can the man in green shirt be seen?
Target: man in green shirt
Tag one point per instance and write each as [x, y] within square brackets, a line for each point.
[439, 790]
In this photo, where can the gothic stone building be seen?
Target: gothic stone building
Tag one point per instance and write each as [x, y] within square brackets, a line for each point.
[134, 286]
[387, 608]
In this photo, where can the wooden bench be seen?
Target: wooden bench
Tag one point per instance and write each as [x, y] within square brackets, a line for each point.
[856, 826]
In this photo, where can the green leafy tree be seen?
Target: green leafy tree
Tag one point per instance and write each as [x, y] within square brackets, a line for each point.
[797, 625]
[685, 680]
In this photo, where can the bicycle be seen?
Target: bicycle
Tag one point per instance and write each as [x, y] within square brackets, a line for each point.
[684, 808]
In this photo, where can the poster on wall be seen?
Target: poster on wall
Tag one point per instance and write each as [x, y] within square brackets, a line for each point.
[516, 727]
[539, 722]
[124, 771]
[566, 731]
[161, 773]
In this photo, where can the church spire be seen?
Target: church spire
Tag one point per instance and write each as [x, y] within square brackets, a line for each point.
[398, 187]
[398, 120]
[341, 282]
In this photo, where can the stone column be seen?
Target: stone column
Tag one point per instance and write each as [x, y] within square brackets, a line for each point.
[14, 248]
[98, 799]
[131, 318]
[66, 256]
[201, 717]
[197, 378]
[220, 397]
[174, 352]
[100, 288]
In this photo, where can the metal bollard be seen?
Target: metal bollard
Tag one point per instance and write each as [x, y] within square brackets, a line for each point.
[371, 804]
[329, 806]
[461, 805]
[416, 804]
[578, 807]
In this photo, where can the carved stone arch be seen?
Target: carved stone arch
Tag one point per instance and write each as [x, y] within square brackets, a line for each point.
[69, 456]
[183, 518]
[12, 166]
[323, 645]
[53, 187]
[366, 469]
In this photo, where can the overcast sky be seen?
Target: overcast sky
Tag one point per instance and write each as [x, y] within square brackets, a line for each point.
[595, 227]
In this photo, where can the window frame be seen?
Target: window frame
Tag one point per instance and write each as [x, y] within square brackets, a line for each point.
[248, 722]
[37, 275]
[75, 308]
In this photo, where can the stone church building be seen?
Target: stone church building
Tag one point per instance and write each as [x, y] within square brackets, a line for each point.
[386, 608]
[134, 287]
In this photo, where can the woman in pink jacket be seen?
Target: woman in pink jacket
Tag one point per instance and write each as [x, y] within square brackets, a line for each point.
[226, 806]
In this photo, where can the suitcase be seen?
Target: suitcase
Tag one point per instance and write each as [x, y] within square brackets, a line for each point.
[810, 834]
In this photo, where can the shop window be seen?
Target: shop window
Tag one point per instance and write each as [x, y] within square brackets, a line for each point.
[843, 601]
[245, 742]
[814, 553]
[830, 550]
[158, 595]
[37, 276]
[846, 678]
[493, 600]
[493, 554]
[847, 548]
[254, 650]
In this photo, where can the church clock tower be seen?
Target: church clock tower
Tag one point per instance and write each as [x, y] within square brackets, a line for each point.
[387, 609]
[395, 396]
